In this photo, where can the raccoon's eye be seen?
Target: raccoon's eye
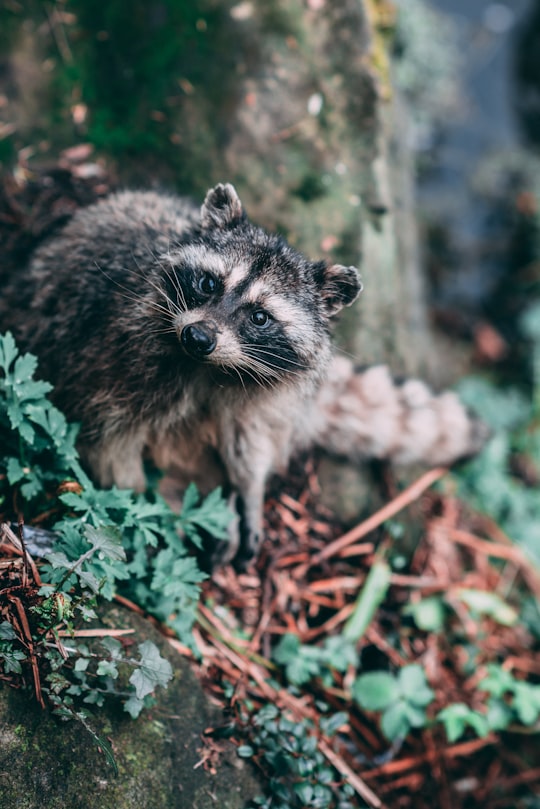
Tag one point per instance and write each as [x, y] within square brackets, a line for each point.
[207, 284]
[260, 318]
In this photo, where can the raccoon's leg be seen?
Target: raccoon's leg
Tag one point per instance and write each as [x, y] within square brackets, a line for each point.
[366, 414]
[117, 460]
[248, 454]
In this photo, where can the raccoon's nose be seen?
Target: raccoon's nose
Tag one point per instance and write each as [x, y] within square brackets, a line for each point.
[199, 339]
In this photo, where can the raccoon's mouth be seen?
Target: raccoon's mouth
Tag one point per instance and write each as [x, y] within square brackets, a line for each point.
[199, 340]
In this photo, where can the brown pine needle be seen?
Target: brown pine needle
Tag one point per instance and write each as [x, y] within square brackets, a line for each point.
[408, 496]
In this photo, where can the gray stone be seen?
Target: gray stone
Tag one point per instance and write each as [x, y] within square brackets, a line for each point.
[46, 763]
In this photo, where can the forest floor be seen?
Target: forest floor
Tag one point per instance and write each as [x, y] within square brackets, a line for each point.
[453, 607]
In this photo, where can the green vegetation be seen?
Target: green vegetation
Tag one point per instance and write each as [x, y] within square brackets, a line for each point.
[299, 775]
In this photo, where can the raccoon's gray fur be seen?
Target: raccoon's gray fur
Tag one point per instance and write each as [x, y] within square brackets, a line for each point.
[202, 340]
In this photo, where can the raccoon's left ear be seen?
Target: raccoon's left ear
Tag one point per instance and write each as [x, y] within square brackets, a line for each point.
[340, 286]
[221, 207]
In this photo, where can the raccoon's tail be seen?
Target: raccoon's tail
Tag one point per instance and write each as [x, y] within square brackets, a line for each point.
[367, 414]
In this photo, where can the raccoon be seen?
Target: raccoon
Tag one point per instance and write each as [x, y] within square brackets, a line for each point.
[200, 340]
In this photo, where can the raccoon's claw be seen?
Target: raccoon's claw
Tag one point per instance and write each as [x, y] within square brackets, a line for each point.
[225, 550]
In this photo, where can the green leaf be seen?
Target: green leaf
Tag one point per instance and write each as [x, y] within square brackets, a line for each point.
[11, 660]
[287, 649]
[375, 691]
[15, 471]
[490, 604]
[499, 715]
[340, 653]
[458, 716]
[428, 614]
[413, 685]
[133, 706]
[8, 350]
[106, 668]
[107, 541]
[331, 724]
[81, 664]
[497, 682]
[153, 670]
[304, 792]
[371, 596]
[87, 579]
[211, 515]
[113, 646]
[245, 751]
[395, 721]
[416, 716]
[302, 662]
[7, 632]
[526, 702]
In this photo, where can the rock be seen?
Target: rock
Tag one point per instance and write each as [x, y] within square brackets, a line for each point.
[46, 763]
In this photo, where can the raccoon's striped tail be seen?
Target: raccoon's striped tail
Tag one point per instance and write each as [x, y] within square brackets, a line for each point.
[367, 414]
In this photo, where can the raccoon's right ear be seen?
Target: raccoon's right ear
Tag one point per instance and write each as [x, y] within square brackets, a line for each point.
[339, 286]
[221, 207]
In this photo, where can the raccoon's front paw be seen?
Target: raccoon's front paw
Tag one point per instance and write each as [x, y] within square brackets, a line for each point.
[242, 544]
[225, 550]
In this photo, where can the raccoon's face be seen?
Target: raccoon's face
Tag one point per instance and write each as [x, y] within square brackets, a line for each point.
[245, 302]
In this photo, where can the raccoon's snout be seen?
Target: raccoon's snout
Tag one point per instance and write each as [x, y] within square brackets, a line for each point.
[199, 339]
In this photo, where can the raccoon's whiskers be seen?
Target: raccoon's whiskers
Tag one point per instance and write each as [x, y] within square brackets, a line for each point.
[146, 278]
[260, 373]
[257, 351]
[130, 295]
[275, 370]
[168, 271]
[176, 286]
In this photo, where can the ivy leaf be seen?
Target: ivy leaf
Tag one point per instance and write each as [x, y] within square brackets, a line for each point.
[113, 646]
[107, 668]
[133, 706]
[153, 670]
